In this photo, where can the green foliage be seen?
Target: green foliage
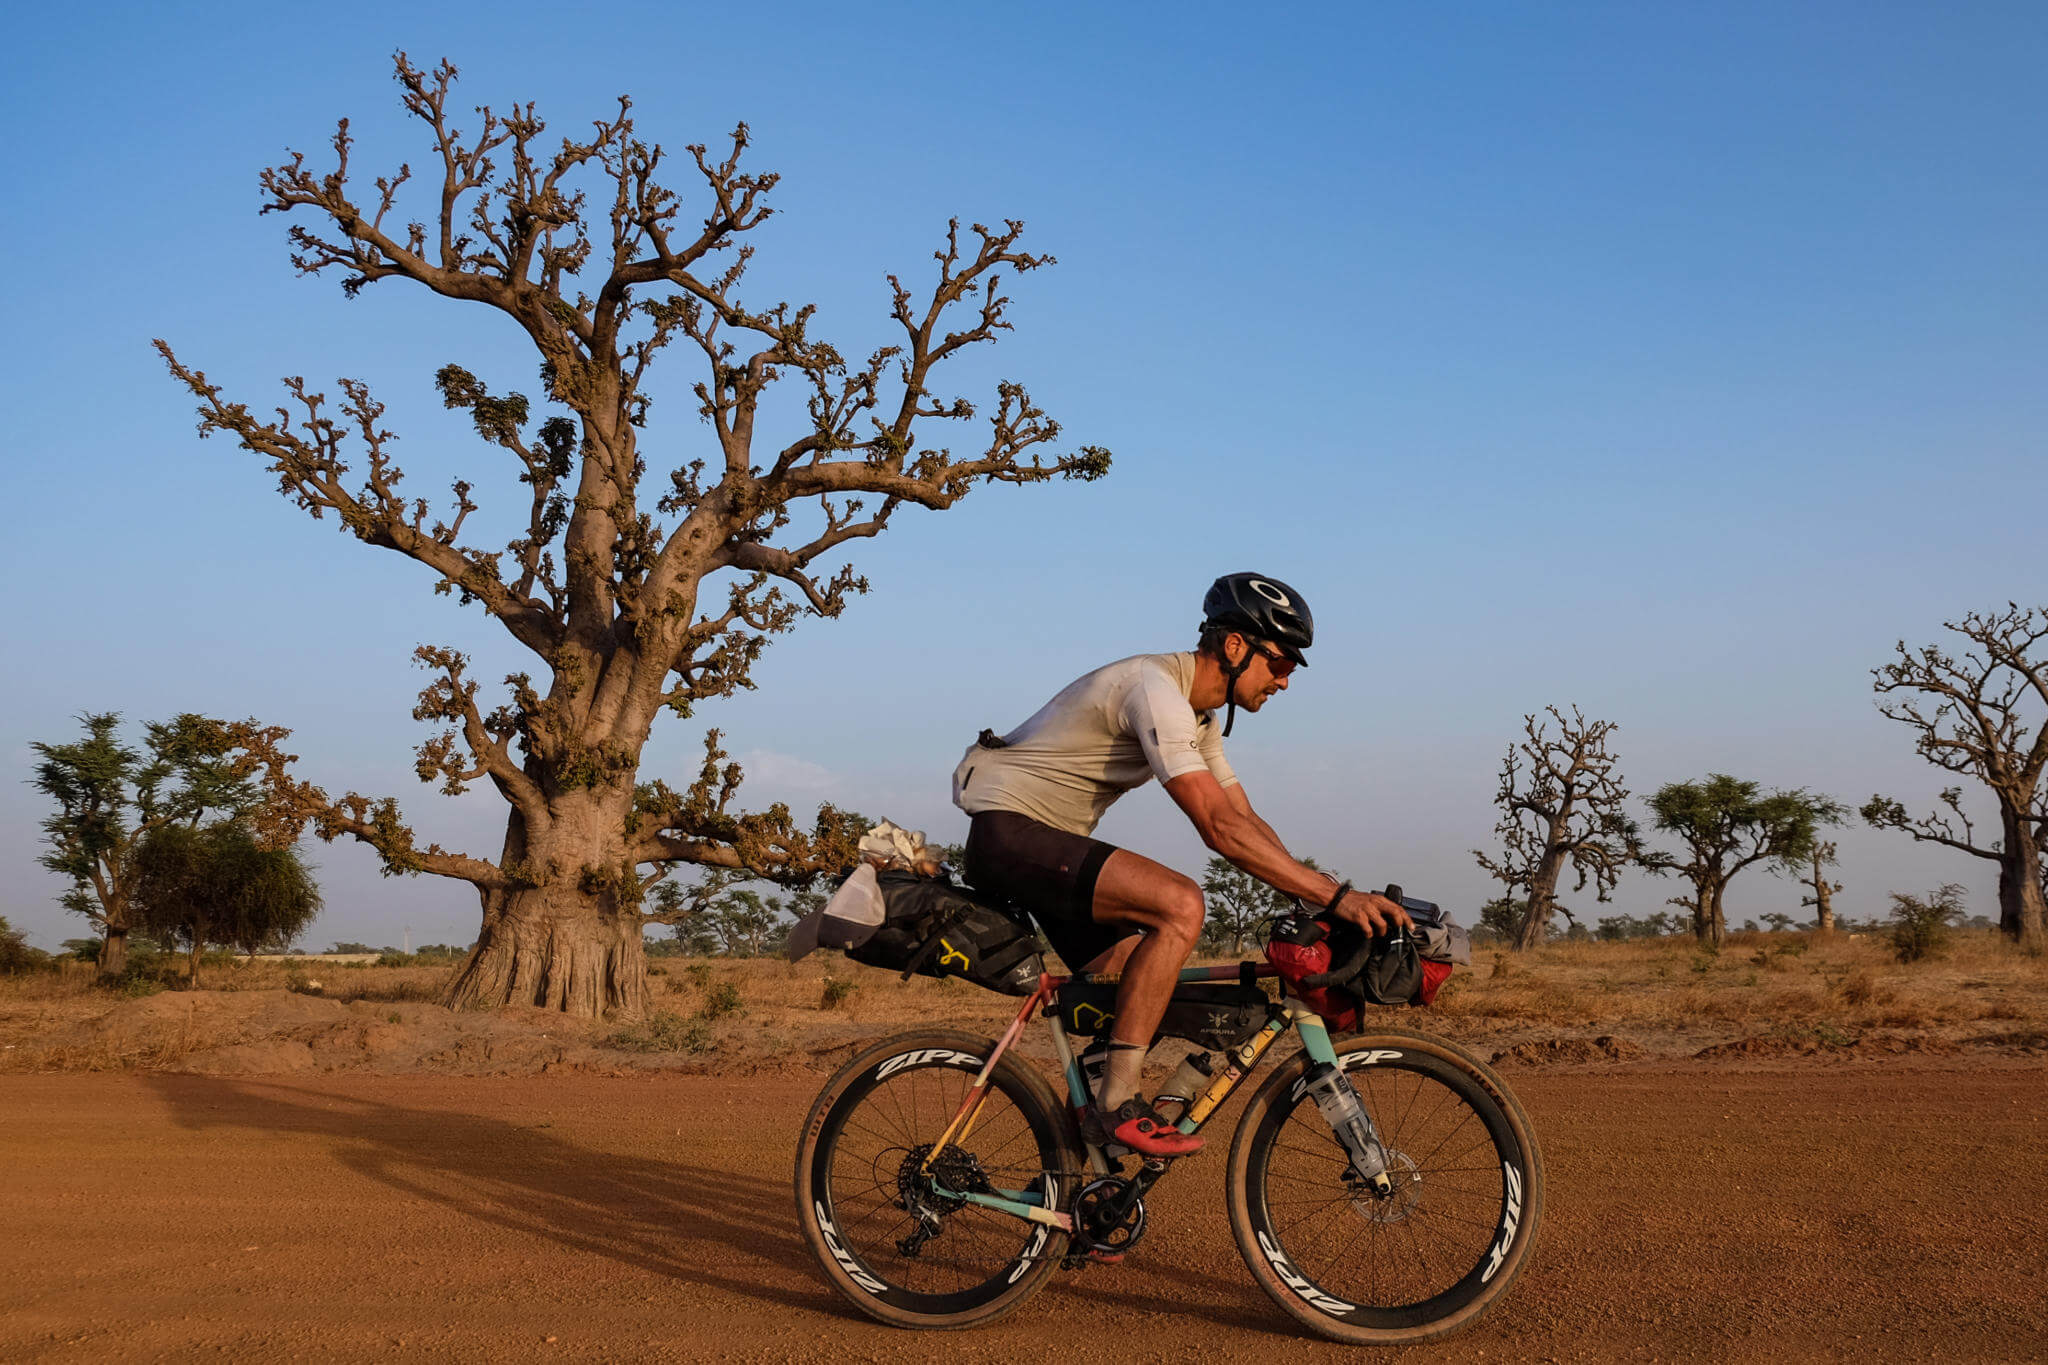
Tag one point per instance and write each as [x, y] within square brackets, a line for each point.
[1919, 927]
[216, 884]
[838, 990]
[349, 947]
[16, 954]
[1238, 904]
[1614, 928]
[1500, 920]
[1727, 823]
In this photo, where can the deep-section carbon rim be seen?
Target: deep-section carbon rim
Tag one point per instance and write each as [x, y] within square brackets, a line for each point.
[897, 1241]
[1448, 1241]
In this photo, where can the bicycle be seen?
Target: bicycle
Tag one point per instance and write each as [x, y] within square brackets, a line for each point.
[1384, 1189]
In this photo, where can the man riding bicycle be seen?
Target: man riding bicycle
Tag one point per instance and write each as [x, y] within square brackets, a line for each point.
[1036, 794]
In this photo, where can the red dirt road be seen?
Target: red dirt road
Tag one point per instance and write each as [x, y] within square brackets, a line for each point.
[1820, 1213]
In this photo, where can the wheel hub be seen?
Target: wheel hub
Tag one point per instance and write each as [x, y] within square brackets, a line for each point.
[1393, 1205]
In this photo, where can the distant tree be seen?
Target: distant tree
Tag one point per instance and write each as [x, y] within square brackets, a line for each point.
[639, 592]
[1824, 891]
[1778, 922]
[219, 885]
[1238, 903]
[16, 953]
[1981, 716]
[747, 923]
[1500, 920]
[111, 796]
[1920, 925]
[1566, 809]
[1618, 927]
[351, 947]
[1728, 824]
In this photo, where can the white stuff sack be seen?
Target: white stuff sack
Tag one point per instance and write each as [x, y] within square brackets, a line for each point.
[847, 920]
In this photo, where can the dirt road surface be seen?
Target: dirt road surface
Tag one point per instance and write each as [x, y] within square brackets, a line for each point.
[1878, 1212]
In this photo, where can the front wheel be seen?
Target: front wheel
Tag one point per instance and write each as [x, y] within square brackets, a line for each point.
[1420, 1259]
[879, 1206]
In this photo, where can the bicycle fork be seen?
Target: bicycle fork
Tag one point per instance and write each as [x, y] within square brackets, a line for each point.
[1338, 1100]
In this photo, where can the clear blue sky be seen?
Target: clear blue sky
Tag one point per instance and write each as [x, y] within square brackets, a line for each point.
[1671, 360]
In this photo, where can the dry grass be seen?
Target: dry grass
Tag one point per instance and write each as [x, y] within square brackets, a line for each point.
[1756, 982]
[1665, 994]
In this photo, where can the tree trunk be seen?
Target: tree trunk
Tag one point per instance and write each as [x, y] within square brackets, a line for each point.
[192, 967]
[568, 944]
[114, 950]
[1542, 899]
[2022, 913]
[1716, 926]
[1823, 902]
[554, 948]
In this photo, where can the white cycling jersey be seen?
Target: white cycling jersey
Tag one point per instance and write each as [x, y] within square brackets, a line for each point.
[1105, 733]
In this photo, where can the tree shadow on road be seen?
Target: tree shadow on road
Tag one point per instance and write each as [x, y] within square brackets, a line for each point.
[668, 1218]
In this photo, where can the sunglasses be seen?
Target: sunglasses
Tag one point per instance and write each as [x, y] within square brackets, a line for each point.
[1278, 664]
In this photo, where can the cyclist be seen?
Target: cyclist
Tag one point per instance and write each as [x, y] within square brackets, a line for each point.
[1036, 794]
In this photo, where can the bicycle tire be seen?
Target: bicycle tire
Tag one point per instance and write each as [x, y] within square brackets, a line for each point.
[856, 1168]
[1436, 1255]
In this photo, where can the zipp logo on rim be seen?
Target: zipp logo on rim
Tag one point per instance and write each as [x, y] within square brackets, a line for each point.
[1510, 1219]
[853, 1268]
[1299, 1282]
[924, 1057]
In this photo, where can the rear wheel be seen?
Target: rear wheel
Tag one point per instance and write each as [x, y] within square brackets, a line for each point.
[1420, 1260]
[881, 1214]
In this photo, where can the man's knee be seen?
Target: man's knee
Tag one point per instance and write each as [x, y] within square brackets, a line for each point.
[1183, 912]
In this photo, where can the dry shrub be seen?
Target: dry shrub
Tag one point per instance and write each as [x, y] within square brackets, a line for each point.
[1858, 988]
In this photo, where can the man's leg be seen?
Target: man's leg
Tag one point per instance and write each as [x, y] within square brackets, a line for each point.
[1135, 891]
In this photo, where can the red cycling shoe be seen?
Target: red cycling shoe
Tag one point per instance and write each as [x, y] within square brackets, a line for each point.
[1137, 1125]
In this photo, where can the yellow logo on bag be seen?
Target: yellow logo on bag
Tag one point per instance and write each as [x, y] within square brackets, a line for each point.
[1102, 1018]
[951, 953]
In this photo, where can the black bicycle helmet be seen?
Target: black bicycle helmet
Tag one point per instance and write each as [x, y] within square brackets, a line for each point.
[1264, 609]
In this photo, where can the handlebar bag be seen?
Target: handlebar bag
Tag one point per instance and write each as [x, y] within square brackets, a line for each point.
[933, 927]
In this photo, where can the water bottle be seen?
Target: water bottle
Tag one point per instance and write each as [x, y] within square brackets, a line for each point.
[1189, 1079]
[1339, 1103]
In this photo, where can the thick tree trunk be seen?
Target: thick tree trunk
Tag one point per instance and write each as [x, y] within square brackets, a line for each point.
[558, 949]
[1542, 900]
[568, 944]
[1716, 926]
[2022, 913]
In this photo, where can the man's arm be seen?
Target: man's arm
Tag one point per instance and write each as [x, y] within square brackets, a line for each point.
[1224, 817]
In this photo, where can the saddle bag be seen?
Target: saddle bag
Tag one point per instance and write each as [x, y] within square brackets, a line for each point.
[932, 927]
[1212, 1014]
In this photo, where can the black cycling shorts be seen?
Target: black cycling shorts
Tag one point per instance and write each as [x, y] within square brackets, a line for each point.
[1048, 872]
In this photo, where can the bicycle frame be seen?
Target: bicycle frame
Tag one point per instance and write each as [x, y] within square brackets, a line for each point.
[1243, 1059]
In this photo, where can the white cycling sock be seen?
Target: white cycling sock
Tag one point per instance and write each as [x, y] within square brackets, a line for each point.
[1120, 1080]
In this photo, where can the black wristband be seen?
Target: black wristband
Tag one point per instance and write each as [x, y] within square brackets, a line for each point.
[1343, 890]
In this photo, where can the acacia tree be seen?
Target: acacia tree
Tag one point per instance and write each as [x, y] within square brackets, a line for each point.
[1970, 716]
[218, 884]
[1727, 824]
[1824, 891]
[1566, 810]
[633, 600]
[111, 796]
[1237, 902]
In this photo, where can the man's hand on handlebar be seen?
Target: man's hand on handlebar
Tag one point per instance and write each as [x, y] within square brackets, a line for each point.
[1372, 912]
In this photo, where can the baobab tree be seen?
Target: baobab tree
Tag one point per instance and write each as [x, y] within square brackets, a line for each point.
[1824, 891]
[633, 600]
[1981, 715]
[1727, 824]
[1567, 809]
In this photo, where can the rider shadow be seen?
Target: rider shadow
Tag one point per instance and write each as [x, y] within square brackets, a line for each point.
[668, 1218]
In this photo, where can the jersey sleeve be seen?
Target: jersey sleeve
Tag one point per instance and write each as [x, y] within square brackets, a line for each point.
[1166, 727]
